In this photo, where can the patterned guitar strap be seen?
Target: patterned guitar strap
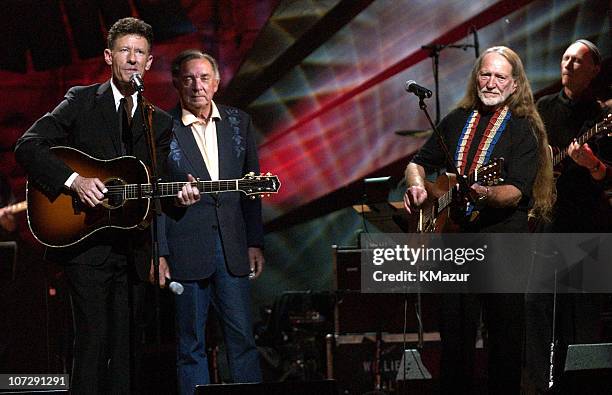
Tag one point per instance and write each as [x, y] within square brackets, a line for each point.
[494, 130]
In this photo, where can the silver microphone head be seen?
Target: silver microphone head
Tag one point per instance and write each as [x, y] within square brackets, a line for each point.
[137, 82]
[176, 288]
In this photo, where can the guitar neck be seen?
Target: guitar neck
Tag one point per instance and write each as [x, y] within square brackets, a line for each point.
[169, 189]
[17, 207]
[589, 134]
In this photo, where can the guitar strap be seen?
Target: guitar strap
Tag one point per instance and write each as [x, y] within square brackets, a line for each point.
[495, 128]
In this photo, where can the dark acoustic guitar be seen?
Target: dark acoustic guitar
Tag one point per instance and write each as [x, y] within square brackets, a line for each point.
[65, 221]
[435, 214]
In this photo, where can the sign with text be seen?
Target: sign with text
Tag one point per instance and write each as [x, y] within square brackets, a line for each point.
[486, 263]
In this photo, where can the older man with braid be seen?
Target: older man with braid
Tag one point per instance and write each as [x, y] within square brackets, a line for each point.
[497, 117]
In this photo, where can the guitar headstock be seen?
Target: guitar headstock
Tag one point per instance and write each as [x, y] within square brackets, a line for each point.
[490, 173]
[259, 185]
[605, 125]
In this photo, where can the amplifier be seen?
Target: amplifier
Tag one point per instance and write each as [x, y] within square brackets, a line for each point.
[355, 312]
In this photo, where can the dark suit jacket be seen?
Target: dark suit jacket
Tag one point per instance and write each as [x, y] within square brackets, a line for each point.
[189, 241]
[87, 120]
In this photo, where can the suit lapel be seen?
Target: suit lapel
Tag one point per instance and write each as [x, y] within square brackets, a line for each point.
[187, 142]
[224, 143]
[106, 103]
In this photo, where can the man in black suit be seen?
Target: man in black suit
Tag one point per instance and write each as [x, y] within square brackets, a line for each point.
[218, 243]
[96, 120]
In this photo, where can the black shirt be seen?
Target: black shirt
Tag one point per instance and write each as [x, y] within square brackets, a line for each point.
[580, 205]
[517, 145]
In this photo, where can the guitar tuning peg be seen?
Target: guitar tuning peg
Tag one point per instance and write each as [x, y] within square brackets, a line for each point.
[268, 174]
[252, 197]
[250, 174]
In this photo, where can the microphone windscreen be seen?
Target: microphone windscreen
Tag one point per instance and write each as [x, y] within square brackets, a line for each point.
[176, 288]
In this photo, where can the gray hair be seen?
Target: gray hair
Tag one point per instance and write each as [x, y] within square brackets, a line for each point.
[191, 54]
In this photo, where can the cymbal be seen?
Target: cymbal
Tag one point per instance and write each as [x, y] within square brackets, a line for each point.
[414, 133]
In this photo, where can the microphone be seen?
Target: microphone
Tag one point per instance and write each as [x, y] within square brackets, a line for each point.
[174, 287]
[476, 46]
[137, 83]
[417, 89]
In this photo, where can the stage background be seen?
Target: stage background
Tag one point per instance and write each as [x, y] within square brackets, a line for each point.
[324, 81]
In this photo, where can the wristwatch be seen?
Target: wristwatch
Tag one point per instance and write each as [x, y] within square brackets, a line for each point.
[596, 167]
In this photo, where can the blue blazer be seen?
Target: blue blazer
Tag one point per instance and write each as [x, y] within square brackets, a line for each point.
[188, 242]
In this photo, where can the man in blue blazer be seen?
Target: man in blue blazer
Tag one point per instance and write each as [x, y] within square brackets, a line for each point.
[216, 246]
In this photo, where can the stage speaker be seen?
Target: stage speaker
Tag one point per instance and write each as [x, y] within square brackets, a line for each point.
[322, 387]
[588, 369]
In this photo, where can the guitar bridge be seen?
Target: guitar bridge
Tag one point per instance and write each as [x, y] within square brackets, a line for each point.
[76, 205]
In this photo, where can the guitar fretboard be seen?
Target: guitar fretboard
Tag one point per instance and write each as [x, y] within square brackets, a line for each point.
[168, 189]
[445, 199]
[592, 132]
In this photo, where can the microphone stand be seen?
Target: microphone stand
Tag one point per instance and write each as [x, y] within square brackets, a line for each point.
[450, 164]
[551, 368]
[435, 50]
[147, 120]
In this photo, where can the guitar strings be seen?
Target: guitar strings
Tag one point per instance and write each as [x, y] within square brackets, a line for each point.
[131, 190]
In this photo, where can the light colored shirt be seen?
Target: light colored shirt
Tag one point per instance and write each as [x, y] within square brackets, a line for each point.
[205, 134]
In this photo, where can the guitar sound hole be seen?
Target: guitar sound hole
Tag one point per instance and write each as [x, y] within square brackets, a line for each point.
[115, 197]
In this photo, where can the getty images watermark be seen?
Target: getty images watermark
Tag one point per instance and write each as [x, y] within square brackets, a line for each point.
[486, 263]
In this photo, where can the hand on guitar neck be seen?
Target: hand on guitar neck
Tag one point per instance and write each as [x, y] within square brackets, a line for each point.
[188, 194]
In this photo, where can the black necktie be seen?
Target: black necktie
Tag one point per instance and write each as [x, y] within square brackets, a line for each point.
[125, 113]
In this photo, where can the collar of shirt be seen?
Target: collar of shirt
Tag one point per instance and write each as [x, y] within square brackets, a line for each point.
[188, 118]
[118, 96]
[564, 99]
[585, 100]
